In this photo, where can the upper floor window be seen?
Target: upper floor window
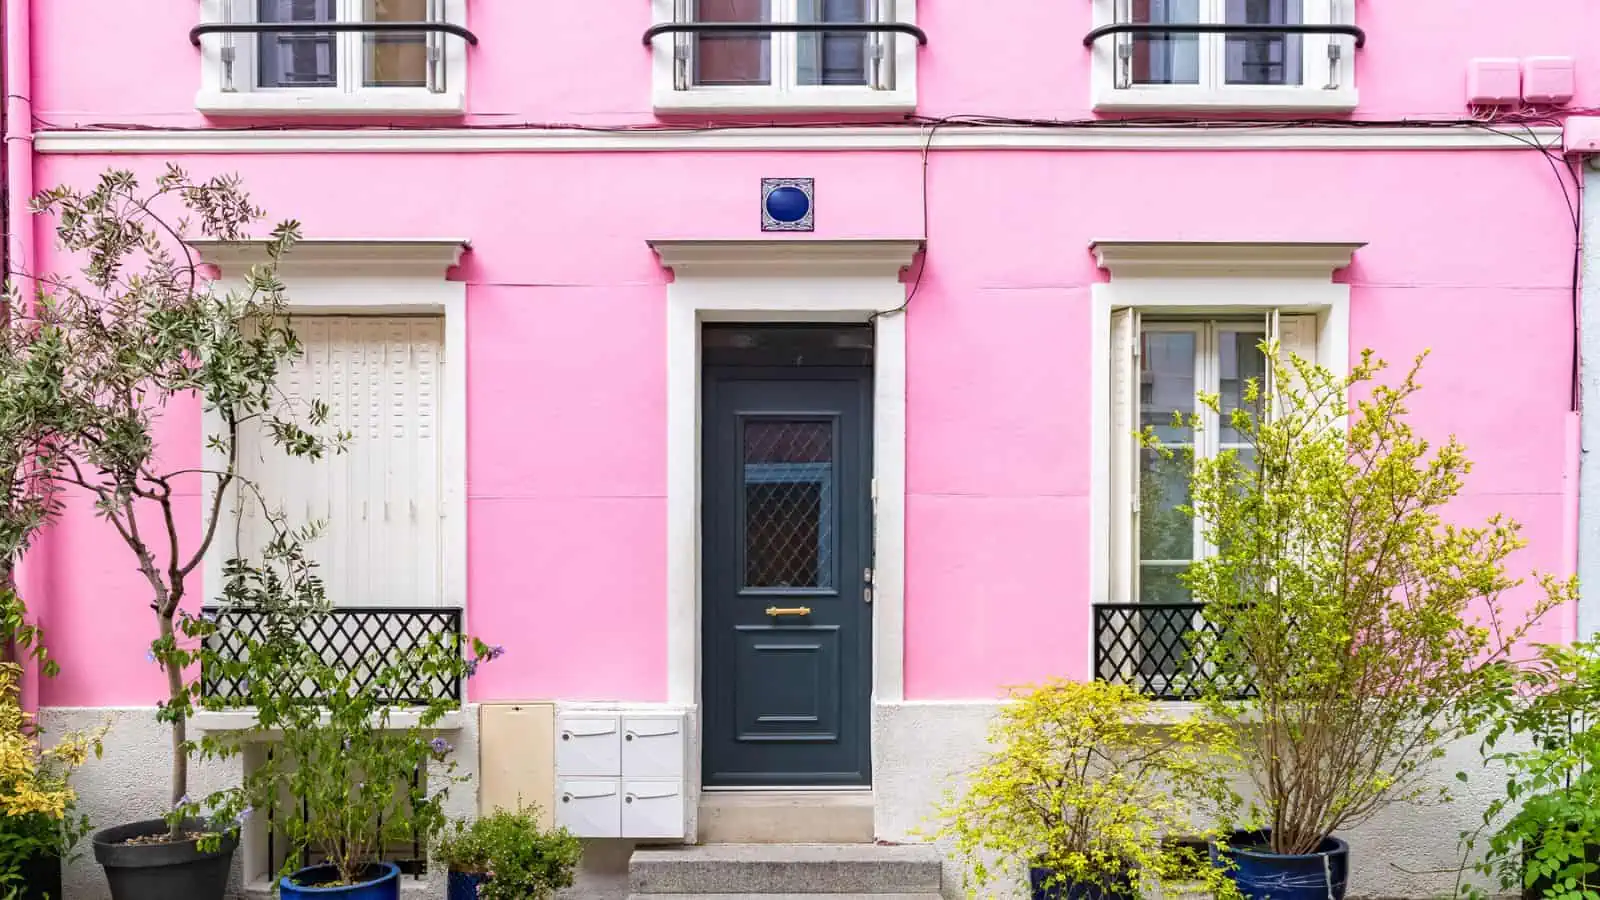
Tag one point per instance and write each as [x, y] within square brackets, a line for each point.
[1199, 65]
[255, 70]
[724, 70]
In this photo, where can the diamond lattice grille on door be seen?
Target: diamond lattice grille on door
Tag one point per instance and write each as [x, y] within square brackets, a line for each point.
[788, 504]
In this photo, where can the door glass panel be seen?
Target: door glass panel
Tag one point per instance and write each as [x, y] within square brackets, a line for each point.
[298, 60]
[396, 59]
[788, 504]
[733, 59]
[1166, 58]
[833, 57]
[1271, 59]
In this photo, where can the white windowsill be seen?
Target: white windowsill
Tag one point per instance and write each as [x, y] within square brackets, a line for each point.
[331, 103]
[1237, 99]
[768, 100]
[245, 719]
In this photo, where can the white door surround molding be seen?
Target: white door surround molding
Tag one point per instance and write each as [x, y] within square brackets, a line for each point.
[367, 277]
[777, 281]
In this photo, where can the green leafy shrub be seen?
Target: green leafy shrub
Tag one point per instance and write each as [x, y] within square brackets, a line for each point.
[1083, 779]
[1367, 625]
[343, 756]
[521, 860]
[1550, 718]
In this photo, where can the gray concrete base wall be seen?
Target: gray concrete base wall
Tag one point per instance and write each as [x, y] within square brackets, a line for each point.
[130, 783]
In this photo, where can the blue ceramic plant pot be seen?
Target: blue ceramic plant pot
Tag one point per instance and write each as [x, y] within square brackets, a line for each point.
[464, 885]
[304, 884]
[1042, 887]
[1262, 874]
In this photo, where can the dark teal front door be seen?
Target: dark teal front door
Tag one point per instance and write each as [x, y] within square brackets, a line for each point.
[787, 643]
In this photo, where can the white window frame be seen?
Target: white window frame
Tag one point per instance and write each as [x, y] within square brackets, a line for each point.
[673, 65]
[1328, 80]
[362, 277]
[229, 88]
[1220, 281]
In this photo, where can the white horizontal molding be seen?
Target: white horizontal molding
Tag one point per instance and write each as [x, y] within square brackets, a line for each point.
[244, 719]
[948, 136]
[1223, 259]
[430, 257]
[828, 258]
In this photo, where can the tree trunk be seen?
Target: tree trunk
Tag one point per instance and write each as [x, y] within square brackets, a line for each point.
[180, 728]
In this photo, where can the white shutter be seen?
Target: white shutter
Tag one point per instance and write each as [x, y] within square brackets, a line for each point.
[1124, 455]
[1296, 336]
[380, 499]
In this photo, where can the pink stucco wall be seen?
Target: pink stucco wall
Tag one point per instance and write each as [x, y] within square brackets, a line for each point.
[583, 62]
[1468, 253]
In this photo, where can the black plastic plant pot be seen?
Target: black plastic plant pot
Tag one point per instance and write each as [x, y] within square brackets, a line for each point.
[41, 877]
[1262, 874]
[163, 870]
[1043, 886]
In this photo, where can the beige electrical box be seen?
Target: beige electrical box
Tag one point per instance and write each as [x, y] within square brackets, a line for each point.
[516, 757]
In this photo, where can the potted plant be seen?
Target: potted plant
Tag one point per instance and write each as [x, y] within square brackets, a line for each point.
[1545, 734]
[1366, 628]
[141, 332]
[1081, 786]
[507, 855]
[363, 777]
[39, 824]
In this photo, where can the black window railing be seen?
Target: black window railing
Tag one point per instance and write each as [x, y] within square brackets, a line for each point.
[352, 636]
[1155, 648]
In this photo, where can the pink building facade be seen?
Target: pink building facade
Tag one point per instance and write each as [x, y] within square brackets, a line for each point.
[651, 344]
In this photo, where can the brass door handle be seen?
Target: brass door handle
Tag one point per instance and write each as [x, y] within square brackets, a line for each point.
[788, 611]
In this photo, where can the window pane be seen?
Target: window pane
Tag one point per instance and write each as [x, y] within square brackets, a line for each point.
[788, 504]
[1241, 362]
[396, 59]
[1166, 381]
[1160, 584]
[733, 59]
[296, 60]
[1165, 531]
[833, 57]
[1166, 58]
[1265, 58]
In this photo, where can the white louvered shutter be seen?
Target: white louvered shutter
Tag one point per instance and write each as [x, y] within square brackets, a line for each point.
[380, 500]
[1123, 541]
[1296, 334]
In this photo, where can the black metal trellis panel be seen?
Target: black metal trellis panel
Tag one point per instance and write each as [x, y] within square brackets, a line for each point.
[1149, 647]
[351, 636]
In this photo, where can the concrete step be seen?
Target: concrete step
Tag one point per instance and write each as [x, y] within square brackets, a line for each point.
[786, 817]
[769, 869]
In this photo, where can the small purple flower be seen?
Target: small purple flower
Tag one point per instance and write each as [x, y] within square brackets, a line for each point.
[244, 815]
[347, 743]
[472, 667]
[440, 745]
[208, 616]
[497, 651]
[182, 801]
[150, 656]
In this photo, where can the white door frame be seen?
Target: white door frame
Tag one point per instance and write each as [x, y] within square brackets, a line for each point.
[784, 281]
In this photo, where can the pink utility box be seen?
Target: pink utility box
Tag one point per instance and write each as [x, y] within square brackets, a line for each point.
[1548, 79]
[1494, 82]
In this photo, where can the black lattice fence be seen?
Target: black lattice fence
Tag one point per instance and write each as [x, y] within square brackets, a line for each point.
[355, 637]
[1152, 648]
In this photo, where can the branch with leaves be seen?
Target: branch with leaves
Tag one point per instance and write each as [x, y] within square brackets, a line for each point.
[139, 331]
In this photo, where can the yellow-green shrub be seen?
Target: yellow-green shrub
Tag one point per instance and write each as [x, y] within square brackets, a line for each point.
[1082, 780]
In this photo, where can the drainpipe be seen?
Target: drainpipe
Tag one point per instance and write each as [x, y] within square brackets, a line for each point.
[19, 246]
